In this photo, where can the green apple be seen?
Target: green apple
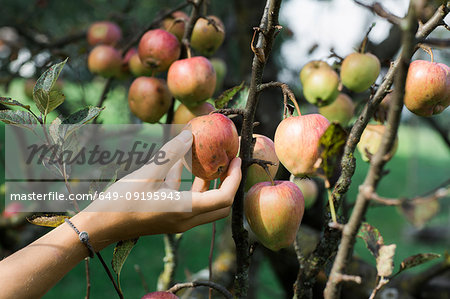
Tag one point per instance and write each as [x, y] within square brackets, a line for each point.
[310, 67]
[340, 111]
[321, 87]
[359, 71]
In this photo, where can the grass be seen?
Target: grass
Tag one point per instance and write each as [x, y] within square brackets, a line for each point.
[421, 163]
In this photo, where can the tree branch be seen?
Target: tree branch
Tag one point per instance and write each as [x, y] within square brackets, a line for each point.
[195, 284]
[378, 9]
[266, 35]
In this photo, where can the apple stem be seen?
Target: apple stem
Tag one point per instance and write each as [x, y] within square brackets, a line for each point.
[188, 51]
[332, 210]
[297, 107]
[268, 174]
[362, 47]
[428, 50]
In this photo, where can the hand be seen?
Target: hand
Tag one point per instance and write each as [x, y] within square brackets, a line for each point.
[207, 206]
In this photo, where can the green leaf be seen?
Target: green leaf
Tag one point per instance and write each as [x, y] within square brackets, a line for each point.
[18, 118]
[385, 260]
[332, 145]
[419, 213]
[371, 237]
[120, 254]
[45, 98]
[416, 260]
[11, 102]
[241, 100]
[48, 220]
[227, 95]
[78, 119]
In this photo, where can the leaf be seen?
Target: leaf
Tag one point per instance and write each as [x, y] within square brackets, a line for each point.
[18, 118]
[419, 213]
[385, 260]
[120, 254]
[227, 95]
[11, 102]
[76, 120]
[416, 260]
[47, 220]
[372, 238]
[45, 98]
[107, 177]
[332, 145]
[241, 100]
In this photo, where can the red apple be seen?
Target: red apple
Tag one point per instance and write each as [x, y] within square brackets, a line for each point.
[297, 142]
[160, 295]
[321, 86]
[264, 150]
[427, 89]
[12, 209]
[215, 144]
[208, 34]
[340, 111]
[309, 190]
[158, 49]
[149, 99]
[105, 61]
[310, 67]
[274, 212]
[175, 24]
[359, 71]
[370, 142]
[192, 80]
[104, 32]
[184, 114]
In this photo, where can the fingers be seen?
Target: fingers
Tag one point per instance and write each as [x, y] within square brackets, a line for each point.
[171, 153]
[207, 217]
[219, 198]
[173, 178]
[200, 185]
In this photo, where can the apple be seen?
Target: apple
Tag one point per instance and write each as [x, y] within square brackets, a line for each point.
[160, 295]
[274, 212]
[370, 142]
[105, 61]
[137, 68]
[192, 80]
[359, 71]
[158, 49]
[221, 70]
[427, 89]
[215, 144]
[104, 32]
[309, 190]
[321, 86]
[310, 67]
[340, 111]
[184, 114]
[175, 23]
[12, 209]
[149, 99]
[264, 150]
[208, 34]
[297, 142]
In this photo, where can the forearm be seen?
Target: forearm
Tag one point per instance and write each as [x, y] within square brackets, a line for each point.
[50, 257]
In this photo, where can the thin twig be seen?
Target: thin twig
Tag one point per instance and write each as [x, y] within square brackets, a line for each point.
[285, 89]
[379, 10]
[195, 284]
[137, 268]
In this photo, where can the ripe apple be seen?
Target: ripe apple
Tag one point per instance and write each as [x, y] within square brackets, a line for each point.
[160, 295]
[359, 71]
[221, 70]
[309, 190]
[192, 80]
[264, 150]
[340, 111]
[105, 61]
[427, 89]
[274, 212]
[215, 144]
[297, 142]
[149, 99]
[321, 86]
[12, 209]
[371, 140]
[208, 34]
[137, 68]
[158, 49]
[175, 23]
[104, 32]
[310, 67]
[184, 114]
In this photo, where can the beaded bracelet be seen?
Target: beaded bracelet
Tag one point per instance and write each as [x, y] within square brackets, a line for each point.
[84, 237]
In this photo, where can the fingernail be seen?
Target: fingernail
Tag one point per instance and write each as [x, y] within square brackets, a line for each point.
[185, 136]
